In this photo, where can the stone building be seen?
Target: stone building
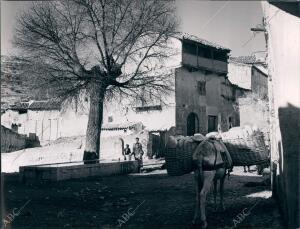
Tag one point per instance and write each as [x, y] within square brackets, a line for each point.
[250, 73]
[203, 99]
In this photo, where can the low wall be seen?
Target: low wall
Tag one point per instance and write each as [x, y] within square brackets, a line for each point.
[11, 141]
[66, 171]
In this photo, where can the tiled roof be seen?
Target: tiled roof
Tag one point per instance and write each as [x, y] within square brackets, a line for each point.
[20, 106]
[45, 105]
[259, 63]
[246, 60]
[120, 126]
[186, 36]
[37, 105]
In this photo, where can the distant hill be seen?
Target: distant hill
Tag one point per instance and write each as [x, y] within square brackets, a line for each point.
[17, 84]
[13, 87]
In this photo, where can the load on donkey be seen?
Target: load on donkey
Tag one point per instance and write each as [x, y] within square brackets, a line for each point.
[212, 158]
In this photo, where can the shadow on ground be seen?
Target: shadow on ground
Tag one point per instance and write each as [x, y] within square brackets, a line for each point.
[160, 201]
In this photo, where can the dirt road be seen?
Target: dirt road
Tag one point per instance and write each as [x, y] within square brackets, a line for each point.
[137, 201]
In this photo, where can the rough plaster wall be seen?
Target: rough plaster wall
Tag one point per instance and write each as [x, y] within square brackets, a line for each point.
[284, 70]
[156, 119]
[72, 123]
[240, 74]
[123, 111]
[111, 147]
[189, 100]
[259, 83]
[255, 111]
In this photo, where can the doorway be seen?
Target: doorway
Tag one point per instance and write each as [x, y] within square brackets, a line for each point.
[192, 124]
[212, 123]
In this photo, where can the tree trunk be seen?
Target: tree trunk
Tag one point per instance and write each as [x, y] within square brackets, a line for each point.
[92, 142]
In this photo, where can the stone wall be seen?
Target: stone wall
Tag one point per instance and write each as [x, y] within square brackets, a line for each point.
[259, 82]
[217, 101]
[11, 141]
[66, 171]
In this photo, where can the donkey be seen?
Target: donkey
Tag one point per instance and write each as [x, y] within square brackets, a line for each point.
[209, 167]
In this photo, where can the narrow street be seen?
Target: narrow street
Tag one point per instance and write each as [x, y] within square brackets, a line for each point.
[148, 200]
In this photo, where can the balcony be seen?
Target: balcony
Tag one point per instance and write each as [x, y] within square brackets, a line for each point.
[204, 63]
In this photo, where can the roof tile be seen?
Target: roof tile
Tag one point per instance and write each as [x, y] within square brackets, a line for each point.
[190, 37]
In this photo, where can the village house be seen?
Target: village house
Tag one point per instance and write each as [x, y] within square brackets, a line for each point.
[203, 100]
[250, 73]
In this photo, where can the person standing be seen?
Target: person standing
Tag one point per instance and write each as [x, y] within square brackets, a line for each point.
[127, 153]
[138, 152]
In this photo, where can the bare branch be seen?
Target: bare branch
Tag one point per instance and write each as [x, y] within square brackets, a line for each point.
[120, 44]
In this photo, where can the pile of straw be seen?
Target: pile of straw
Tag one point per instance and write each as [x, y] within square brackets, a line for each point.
[246, 146]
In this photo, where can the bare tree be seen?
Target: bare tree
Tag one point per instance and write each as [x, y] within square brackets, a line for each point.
[106, 47]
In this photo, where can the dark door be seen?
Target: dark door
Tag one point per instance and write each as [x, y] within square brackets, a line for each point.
[212, 123]
[192, 124]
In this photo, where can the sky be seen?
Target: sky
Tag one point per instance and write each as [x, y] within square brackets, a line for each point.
[227, 23]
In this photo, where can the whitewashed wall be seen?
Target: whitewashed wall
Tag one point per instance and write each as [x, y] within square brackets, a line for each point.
[284, 70]
[240, 74]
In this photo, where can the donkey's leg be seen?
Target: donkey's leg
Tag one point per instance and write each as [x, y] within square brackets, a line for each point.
[198, 184]
[215, 192]
[222, 180]
[208, 178]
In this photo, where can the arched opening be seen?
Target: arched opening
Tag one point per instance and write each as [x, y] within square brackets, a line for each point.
[192, 125]
[122, 146]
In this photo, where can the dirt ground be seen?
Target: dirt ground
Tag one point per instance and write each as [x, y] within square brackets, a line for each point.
[137, 201]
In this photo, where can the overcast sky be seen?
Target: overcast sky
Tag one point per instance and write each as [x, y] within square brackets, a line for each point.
[227, 23]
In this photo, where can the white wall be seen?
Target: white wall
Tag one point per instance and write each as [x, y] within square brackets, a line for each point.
[240, 74]
[155, 119]
[284, 70]
[45, 123]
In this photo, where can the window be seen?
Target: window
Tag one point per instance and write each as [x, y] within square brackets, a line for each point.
[110, 118]
[212, 123]
[202, 87]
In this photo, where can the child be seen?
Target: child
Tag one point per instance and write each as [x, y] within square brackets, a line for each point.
[127, 153]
